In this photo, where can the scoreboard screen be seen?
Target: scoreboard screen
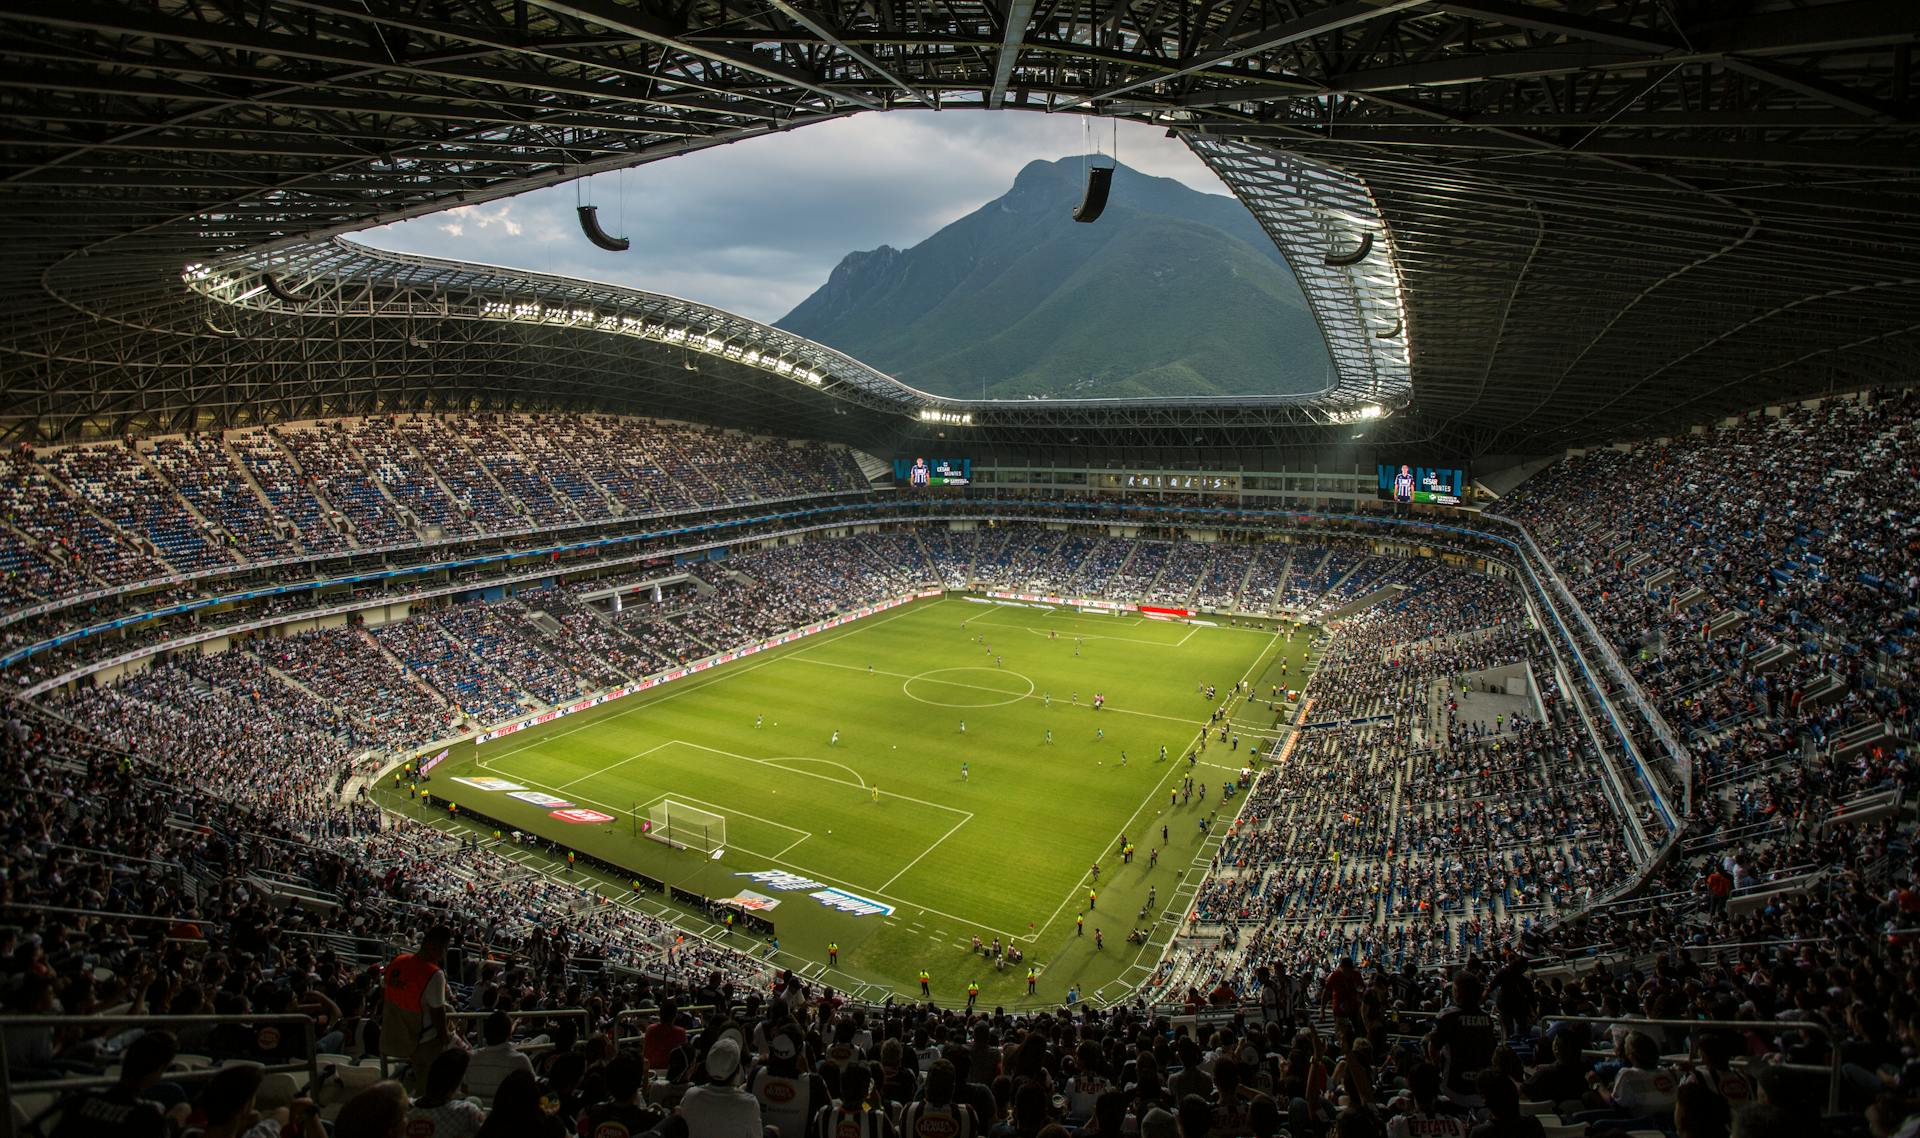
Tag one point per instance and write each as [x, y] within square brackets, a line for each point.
[1438, 485]
[919, 473]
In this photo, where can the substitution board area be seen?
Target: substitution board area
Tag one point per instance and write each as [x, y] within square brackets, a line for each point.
[971, 789]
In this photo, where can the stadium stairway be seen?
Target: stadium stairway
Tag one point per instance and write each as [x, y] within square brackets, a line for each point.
[877, 471]
[136, 541]
[245, 473]
[412, 677]
[330, 514]
[1367, 600]
[144, 455]
[1280, 590]
[1240, 598]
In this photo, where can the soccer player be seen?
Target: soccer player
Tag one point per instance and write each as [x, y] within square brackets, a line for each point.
[835, 741]
[1046, 699]
[1163, 752]
[758, 720]
[876, 792]
[1123, 758]
[963, 771]
[1049, 735]
[1099, 733]
[869, 668]
[963, 727]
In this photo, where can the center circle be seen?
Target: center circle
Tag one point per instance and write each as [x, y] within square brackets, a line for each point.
[960, 686]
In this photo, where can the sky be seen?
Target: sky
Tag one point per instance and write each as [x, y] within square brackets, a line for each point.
[755, 226]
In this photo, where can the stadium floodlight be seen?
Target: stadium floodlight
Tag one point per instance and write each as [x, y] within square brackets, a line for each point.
[686, 827]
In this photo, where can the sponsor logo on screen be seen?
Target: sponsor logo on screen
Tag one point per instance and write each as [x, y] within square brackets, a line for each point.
[758, 902]
[580, 816]
[538, 798]
[489, 784]
[782, 880]
[849, 903]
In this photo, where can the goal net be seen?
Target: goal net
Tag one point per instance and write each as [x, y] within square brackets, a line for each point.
[686, 827]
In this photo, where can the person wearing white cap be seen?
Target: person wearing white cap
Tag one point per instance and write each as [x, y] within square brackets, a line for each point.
[788, 1096]
[719, 1108]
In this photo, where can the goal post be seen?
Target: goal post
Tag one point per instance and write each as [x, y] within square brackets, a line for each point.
[686, 827]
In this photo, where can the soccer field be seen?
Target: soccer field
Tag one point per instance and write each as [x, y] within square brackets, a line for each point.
[885, 815]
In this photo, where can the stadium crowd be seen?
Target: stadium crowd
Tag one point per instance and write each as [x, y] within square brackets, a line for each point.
[188, 850]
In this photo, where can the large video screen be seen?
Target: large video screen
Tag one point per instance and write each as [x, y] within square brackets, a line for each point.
[920, 473]
[1438, 485]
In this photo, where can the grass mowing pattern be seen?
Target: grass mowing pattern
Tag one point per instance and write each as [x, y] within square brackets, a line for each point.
[1005, 852]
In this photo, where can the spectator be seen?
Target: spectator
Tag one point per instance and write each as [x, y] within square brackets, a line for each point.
[492, 1063]
[516, 1113]
[1503, 1110]
[380, 1111]
[1429, 1117]
[719, 1108]
[443, 1110]
[128, 1109]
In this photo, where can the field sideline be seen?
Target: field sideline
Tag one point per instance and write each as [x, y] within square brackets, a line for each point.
[885, 814]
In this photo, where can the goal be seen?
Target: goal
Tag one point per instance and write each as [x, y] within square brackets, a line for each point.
[686, 827]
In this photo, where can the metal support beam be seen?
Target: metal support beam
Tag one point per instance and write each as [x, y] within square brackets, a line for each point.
[1013, 32]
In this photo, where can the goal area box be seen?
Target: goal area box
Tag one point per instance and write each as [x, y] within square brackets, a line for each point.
[685, 827]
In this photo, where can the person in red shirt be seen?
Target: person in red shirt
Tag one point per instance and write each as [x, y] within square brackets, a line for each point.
[1719, 886]
[1341, 996]
[663, 1037]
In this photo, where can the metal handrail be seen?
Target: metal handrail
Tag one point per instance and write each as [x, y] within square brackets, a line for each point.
[1831, 1066]
[9, 1088]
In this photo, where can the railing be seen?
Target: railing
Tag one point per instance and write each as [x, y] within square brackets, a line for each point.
[1831, 1068]
[629, 1015]
[9, 1088]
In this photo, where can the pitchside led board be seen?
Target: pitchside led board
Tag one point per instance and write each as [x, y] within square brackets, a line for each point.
[1438, 485]
[920, 473]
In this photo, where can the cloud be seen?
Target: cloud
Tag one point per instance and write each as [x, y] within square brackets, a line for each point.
[756, 225]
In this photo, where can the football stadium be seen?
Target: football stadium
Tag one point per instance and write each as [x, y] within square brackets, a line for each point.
[447, 698]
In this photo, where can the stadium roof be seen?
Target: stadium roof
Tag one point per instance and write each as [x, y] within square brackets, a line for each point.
[1523, 224]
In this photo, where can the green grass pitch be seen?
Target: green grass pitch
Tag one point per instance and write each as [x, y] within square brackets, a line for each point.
[1005, 852]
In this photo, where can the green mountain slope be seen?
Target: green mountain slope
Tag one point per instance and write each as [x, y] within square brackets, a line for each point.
[1172, 292]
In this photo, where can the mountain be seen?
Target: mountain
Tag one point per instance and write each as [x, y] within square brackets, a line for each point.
[1171, 292]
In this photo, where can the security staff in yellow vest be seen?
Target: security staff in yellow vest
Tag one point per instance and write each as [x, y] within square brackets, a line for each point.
[414, 1024]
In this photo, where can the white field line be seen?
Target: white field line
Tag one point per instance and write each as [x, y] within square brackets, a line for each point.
[1103, 636]
[775, 764]
[1152, 797]
[716, 808]
[978, 687]
[721, 672]
[923, 853]
[620, 763]
[855, 886]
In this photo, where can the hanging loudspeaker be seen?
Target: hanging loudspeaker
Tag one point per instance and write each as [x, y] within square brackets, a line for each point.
[1352, 256]
[590, 225]
[279, 291]
[1099, 181]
